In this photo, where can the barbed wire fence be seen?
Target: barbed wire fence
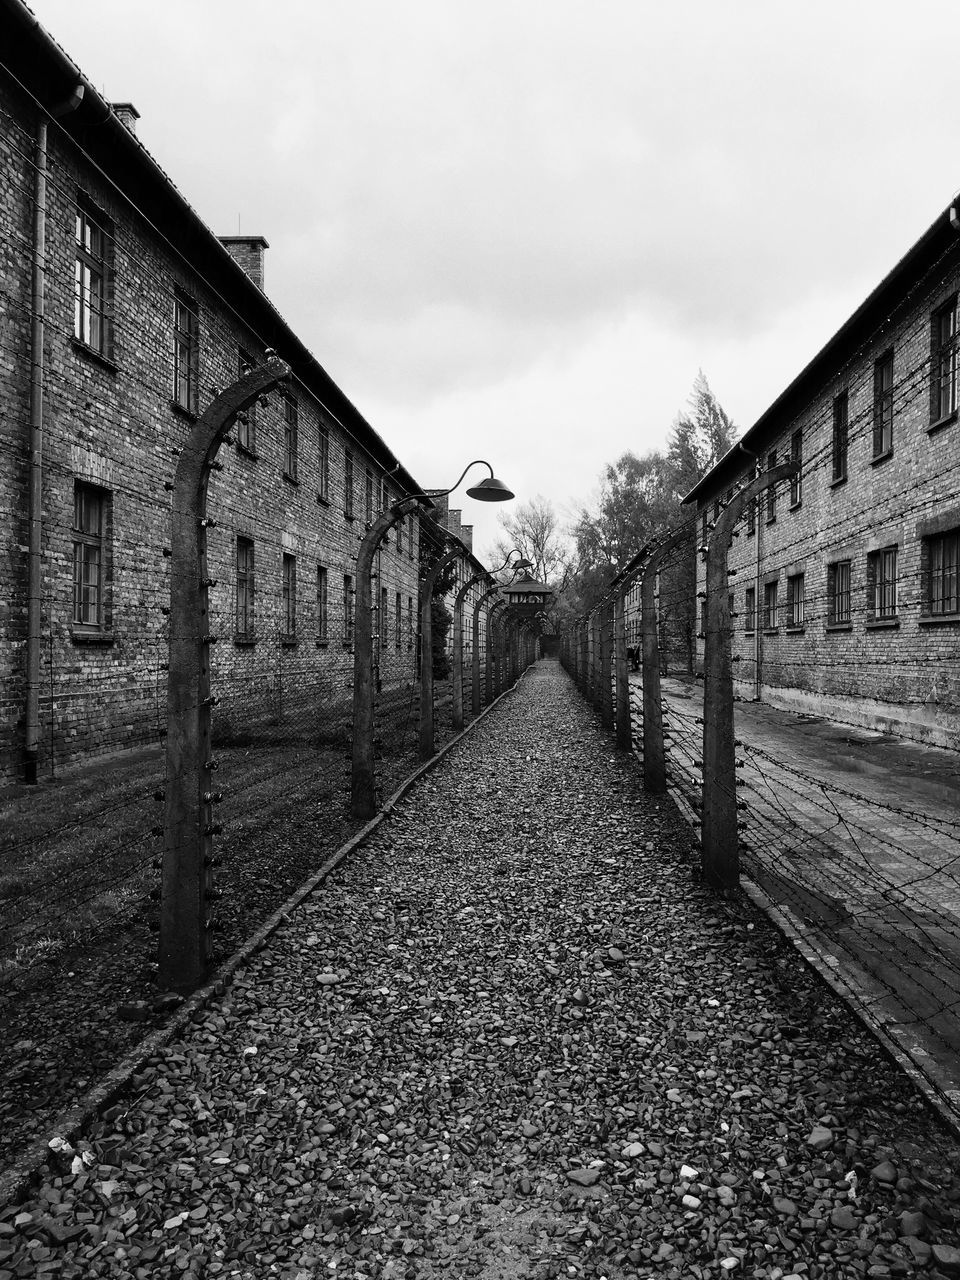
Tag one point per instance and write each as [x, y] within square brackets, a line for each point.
[868, 883]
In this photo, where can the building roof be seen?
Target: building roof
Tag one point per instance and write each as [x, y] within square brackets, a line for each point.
[34, 60]
[526, 586]
[863, 330]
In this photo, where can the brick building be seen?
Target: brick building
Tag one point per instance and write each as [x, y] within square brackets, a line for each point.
[122, 313]
[844, 583]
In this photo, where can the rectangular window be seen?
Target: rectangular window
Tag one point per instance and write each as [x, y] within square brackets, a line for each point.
[882, 583]
[795, 600]
[770, 610]
[943, 557]
[796, 481]
[347, 609]
[838, 592]
[323, 490]
[751, 515]
[703, 620]
[247, 419]
[384, 618]
[397, 621]
[289, 596]
[944, 362]
[322, 602]
[89, 556]
[368, 496]
[348, 484]
[186, 352]
[840, 437]
[771, 489]
[245, 589]
[409, 622]
[883, 405]
[92, 309]
[290, 433]
[750, 608]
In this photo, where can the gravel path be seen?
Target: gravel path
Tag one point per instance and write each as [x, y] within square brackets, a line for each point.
[514, 1037]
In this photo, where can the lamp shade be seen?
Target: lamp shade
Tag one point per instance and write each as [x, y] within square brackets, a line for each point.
[490, 490]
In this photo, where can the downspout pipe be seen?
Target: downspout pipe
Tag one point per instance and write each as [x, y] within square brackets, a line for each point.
[31, 747]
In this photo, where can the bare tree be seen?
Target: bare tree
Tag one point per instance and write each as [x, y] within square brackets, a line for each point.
[534, 529]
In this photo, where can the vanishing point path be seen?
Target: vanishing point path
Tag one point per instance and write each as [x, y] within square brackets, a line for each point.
[512, 1036]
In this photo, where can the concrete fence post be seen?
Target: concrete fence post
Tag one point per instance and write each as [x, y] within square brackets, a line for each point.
[427, 584]
[457, 661]
[475, 690]
[188, 823]
[621, 672]
[654, 761]
[605, 645]
[720, 845]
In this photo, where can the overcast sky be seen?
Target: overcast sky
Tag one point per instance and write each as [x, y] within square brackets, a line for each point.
[516, 229]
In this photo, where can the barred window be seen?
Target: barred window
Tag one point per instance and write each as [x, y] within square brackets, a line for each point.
[409, 622]
[882, 583]
[322, 602]
[883, 405]
[93, 281]
[289, 610]
[838, 592]
[795, 600]
[186, 351]
[943, 557]
[397, 621]
[840, 436]
[368, 496]
[245, 589]
[89, 556]
[944, 362]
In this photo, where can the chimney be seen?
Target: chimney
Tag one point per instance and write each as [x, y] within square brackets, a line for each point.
[453, 522]
[466, 536]
[127, 114]
[441, 505]
[247, 252]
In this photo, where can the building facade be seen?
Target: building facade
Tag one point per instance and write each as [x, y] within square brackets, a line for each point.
[844, 581]
[123, 315]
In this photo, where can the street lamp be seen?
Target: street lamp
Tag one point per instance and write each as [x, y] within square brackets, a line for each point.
[362, 790]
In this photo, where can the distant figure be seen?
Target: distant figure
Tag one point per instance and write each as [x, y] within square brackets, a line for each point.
[633, 657]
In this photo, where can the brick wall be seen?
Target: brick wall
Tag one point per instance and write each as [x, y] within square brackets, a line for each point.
[898, 673]
[110, 422]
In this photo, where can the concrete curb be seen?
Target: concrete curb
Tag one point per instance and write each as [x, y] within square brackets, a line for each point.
[29, 1165]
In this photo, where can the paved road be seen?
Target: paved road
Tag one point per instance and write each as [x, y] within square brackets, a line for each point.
[513, 1036]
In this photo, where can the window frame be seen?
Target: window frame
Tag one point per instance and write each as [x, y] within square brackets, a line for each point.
[943, 363]
[840, 443]
[95, 261]
[883, 406]
[87, 540]
[750, 609]
[839, 593]
[323, 462]
[771, 605]
[348, 613]
[795, 601]
[771, 489]
[323, 604]
[796, 481]
[882, 590]
[288, 595]
[398, 620]
[245, 602]
[348, 505]
[186, 352]
[947, 541]
[291, 435]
